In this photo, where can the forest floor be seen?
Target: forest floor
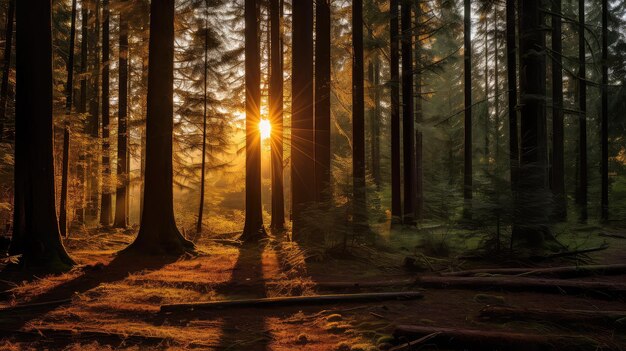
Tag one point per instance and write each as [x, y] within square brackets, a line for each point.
[110, 302]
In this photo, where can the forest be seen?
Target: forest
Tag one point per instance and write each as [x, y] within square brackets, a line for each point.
[345, 175]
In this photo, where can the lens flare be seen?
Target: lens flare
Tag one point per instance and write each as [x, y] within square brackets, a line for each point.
[265, 127]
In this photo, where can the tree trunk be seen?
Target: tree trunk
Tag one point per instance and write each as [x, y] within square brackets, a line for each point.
[37, 230]
[253, 228]
[396, 195]
[94, 114]
[408, 130]
[374, 78]
[322, 101]
[204, 121]
[79, 214]
[558, 160]
[511, 63]
[69, 94]
[121, 195]
[467, 59]
[145, 38]
[158, 232]
[419, 157]
[582, 127]
[358, 121]
[6, 66]
[531, 223]
[302, 138]
[604, 203]
[106, 213]
[486, 53]
[276, 112]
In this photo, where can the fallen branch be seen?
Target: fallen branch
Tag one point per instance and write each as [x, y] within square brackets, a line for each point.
[571, 253]
[359, 285]
[493, 340]
[292, 300]
[612, 235]
[409, 345]
[560, 316]
[598, 289]
[557, 272]
[35, 306]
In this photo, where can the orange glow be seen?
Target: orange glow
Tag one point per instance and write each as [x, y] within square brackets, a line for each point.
[265, 127]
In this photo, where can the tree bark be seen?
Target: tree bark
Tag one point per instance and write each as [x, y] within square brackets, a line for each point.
[158, 233]
[36, 232]
[604, 202]
[582, 126]
[532, 200]
[408, 124]
[419, 157]
[467, 153]
[276, 112]
[374, 117]
[121, 194]
[396, 192]
[358, 121]
[204, 121]
[81, 167]
[511, 63]
[6, 66]
[69, 94]
[106, 213]
[558, 160]
[302, 136]
[322, 101]
[253, 228]
[94, 113]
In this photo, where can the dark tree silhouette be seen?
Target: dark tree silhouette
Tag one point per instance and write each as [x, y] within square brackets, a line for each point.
[322, 100]
[302, 136]
[396, 195]
[358, 120]
[106, 213]
[121, 195]
[558, 159]
[467, 148]
[204, 118]
[6, 66]
[604, 202]
[79, 211]
[93, 124]
[253, 227]
[419, 157]
[511, 63]
[408, 125]
[533, 198]
[36, 229]
[276, 114]
[158, 233]
[69, 93]
[582, 120]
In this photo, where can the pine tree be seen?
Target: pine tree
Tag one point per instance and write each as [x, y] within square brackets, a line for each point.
[396, 196]
[121, 195]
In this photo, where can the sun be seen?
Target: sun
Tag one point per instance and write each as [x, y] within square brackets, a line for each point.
[265, 127]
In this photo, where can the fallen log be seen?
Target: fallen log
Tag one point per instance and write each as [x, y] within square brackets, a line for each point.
[572, 253]
[35, 306]
[613, 235]
[366, 284]
[292, 301]
[559, 286]
[411, 344]
[502, 313]
[557, 272]
[473, 339]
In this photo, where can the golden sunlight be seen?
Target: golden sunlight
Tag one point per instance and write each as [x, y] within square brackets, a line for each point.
[265, 127]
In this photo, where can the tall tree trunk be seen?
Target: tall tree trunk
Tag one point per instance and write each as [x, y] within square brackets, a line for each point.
[322, 100]
[396, 195]
[94, 114]
[6, 66]
[511, 49]
[408, 130]
[358, 121]
[302, 136]
[106, 213]
[204, 121]
[37, 232]
[486, 53]
[419, 189]
[69, 94]
[81, 167]
[276, 113]
[158, 232]
[604, 203]
[558, 159]
[582, 127]
[375, 122]
[253, 227]
[496, 93]
[531, 222]
[121, 195]
[467, 152]
[145, 38]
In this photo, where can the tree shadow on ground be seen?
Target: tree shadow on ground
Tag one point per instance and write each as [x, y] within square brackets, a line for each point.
[118, 269]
